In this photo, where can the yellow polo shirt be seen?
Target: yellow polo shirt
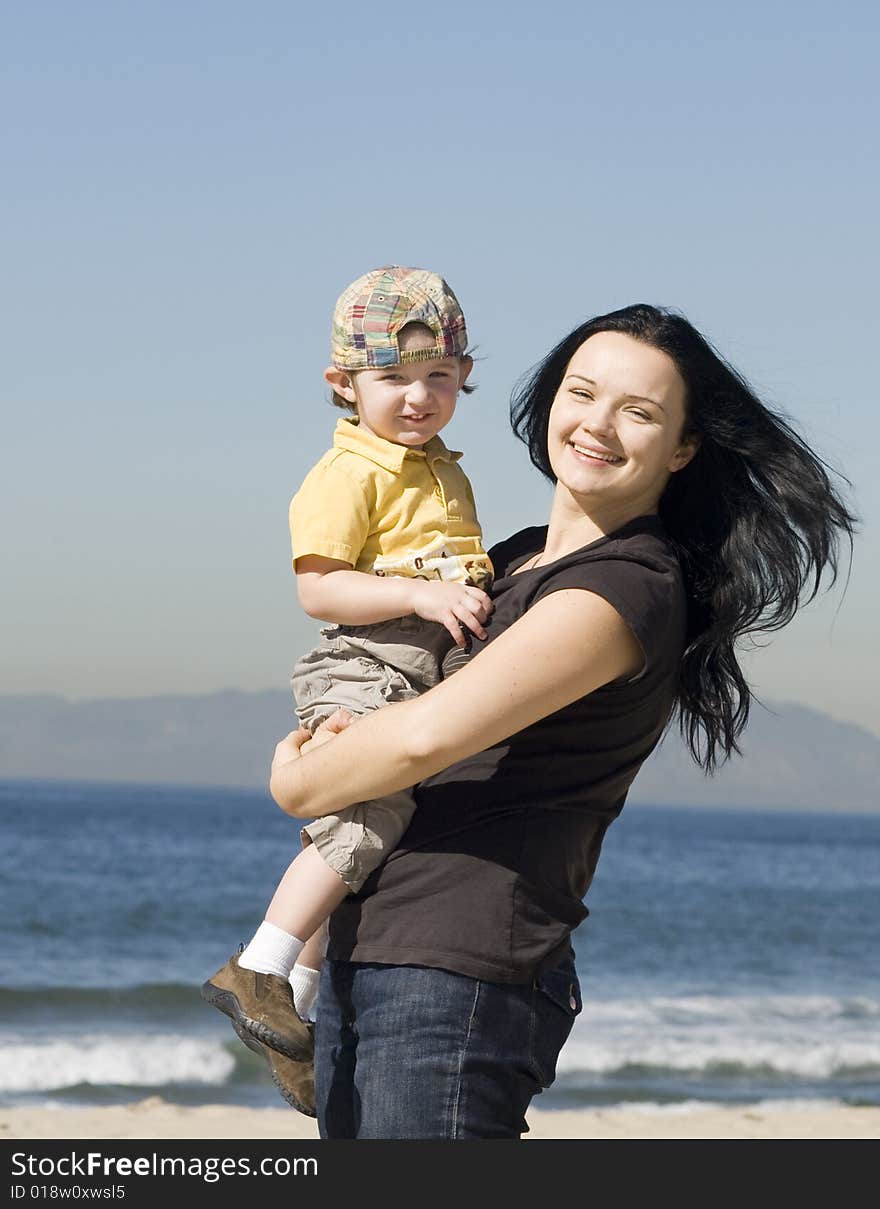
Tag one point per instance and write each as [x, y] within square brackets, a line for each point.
[390, 510]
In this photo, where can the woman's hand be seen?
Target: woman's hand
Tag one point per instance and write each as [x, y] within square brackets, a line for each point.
[298, 742]
[290, 747]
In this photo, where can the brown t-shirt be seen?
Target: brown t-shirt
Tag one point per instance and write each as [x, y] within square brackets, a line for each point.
[489, 878]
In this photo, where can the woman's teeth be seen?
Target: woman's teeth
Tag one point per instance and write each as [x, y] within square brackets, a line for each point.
[593, 453]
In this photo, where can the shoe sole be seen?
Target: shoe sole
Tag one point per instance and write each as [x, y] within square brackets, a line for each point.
[255, 1047]
[227, 1002]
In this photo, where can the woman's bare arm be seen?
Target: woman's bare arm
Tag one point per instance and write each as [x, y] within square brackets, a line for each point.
[567, 645]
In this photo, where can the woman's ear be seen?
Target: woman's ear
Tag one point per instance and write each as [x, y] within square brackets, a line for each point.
[684, 453]
[342, 382]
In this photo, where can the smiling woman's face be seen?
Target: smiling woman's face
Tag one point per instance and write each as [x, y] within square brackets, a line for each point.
[616, 424]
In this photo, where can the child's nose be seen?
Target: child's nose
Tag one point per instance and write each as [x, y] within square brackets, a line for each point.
[416, 392]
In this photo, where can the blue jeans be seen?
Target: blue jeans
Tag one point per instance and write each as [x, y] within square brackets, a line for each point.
[413, 1052]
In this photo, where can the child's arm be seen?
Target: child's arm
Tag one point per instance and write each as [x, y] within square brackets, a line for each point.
[331, 590]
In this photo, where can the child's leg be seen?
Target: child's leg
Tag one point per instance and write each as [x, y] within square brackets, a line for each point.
[253, 986]
[307, 894]
[306, 974]
[309, 889]
[291, 941]
[314, 949]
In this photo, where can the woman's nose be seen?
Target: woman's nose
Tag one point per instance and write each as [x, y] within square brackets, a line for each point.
[599, 421]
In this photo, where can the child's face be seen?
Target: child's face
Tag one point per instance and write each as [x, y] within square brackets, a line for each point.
[406, 404]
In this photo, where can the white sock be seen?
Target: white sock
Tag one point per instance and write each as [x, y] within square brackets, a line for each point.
[304, 984]
[272, 951]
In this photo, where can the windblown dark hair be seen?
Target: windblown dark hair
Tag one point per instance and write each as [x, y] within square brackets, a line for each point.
[754, 516]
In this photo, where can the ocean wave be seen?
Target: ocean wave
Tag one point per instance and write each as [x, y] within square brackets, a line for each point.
[650, 1010]
[131, 1061]
[801, 1058]
[720, 1038]
[170, 993]
[832, 1042]
[65, 1008]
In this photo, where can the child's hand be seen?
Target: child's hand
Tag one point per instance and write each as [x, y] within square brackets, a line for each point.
[452, 605]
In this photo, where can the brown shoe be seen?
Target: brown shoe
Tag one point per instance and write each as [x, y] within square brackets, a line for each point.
[261, 1005]
[294, 1079]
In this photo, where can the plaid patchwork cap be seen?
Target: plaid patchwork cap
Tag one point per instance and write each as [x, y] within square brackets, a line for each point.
[372, 310]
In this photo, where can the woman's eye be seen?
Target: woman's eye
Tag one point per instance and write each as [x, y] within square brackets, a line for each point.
[640, 415]
[581, 394]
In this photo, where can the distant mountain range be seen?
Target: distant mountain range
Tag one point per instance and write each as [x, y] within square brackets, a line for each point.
[793, 757]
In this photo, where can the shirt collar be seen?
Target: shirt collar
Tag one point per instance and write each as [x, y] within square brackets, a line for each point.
[351, 436]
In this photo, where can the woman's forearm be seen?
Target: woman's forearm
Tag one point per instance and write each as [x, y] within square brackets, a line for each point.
[566, 645]
[370, 759]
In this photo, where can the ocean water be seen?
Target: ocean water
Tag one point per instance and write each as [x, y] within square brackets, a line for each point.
[730, 956]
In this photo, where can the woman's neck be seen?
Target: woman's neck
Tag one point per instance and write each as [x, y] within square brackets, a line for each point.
[575, 523]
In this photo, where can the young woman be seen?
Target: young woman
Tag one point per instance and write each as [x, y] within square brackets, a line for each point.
[685, 515]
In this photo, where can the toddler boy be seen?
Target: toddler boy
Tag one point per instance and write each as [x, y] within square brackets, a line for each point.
[386, 546]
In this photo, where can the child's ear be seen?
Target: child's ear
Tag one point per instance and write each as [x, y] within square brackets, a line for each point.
[464, 371]
[342, 381]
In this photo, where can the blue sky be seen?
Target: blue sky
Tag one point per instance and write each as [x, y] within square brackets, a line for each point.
[187, 187]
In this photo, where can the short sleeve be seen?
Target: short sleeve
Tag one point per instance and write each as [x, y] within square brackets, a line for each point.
[330, 514]
[647, 594]
[515, 548]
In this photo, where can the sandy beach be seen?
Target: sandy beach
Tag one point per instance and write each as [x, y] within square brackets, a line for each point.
[155, 1118]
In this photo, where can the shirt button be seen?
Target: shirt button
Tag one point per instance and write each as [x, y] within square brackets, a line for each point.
[572, 1002]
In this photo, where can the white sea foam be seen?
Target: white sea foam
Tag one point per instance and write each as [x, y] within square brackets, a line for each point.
[814, 1037]
[800, 1057]
[805, 1037]
[132, 1061]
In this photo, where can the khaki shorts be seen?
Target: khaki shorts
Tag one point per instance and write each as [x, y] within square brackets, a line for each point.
[362, 668]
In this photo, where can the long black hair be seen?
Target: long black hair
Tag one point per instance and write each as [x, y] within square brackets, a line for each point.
[754, 516]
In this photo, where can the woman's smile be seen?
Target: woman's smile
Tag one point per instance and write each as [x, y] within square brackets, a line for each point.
[593, 453]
